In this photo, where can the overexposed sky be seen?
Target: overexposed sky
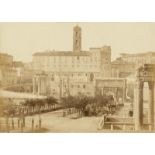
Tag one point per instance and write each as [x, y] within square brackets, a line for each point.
[23, 39]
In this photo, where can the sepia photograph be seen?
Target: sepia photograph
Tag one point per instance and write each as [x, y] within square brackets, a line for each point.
[77, 77]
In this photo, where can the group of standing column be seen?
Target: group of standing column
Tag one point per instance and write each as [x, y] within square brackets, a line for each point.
[39, 85]
[139, 108]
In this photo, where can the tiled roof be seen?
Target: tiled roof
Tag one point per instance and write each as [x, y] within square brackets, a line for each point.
[62, 53]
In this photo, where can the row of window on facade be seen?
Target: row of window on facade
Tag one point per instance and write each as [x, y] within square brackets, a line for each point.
[66, 66]
[78, 59]
[143, 59]
[77, 75]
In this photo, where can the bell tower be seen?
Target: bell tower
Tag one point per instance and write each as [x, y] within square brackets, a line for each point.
[77, 39]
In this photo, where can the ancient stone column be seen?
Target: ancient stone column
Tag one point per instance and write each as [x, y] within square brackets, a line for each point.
[46, 85]
[139, 106]
[34, 85]
[43, 85]
[123, 94]
[124, 91]
[39, 86]
[151, 106]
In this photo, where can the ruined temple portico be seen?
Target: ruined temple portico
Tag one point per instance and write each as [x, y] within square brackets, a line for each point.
[146, 73]
[40, 84]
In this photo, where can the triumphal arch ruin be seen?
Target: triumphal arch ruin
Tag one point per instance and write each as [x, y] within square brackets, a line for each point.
[115, 85]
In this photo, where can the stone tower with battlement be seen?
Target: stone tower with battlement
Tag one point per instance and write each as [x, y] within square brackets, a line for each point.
[77, 39]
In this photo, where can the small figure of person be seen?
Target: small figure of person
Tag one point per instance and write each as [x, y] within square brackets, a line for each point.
[23, 121]
[13, 124]
[18, 123]
[32, 123]
[39, 123]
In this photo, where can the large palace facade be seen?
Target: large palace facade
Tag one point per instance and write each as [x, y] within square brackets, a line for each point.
[63, 73]
[8, 75]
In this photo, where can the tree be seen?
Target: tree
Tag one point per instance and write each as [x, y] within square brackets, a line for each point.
[77, 102]
[68, 102]
[51, 101]
[2, 106]
[30, 104]
[42, 104]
